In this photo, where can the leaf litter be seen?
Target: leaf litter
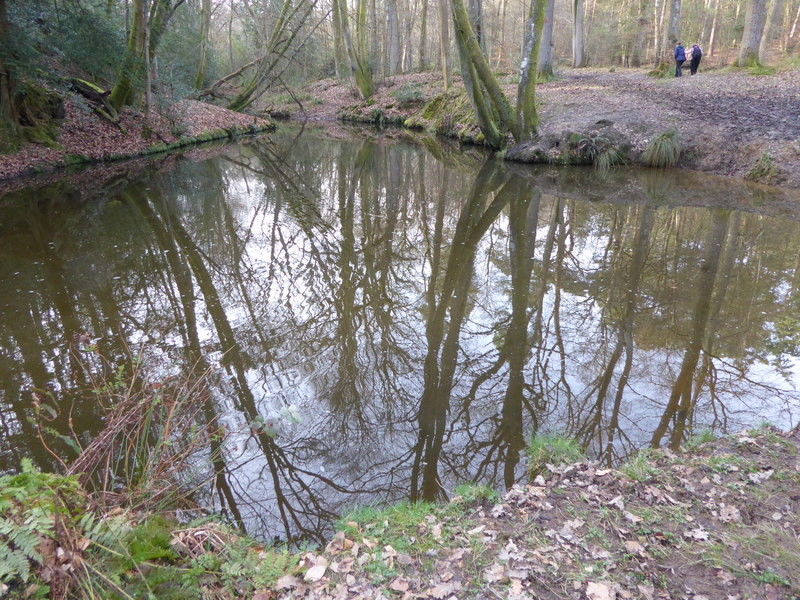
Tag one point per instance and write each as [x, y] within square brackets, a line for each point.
[584, 533]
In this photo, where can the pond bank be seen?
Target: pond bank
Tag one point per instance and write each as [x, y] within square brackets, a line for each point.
[728, 122]
[84, 137]
[718, 519]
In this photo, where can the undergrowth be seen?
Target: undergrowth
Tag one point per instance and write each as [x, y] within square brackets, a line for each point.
[107, 527]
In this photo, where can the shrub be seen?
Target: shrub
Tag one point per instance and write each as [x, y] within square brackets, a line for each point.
[408, 94]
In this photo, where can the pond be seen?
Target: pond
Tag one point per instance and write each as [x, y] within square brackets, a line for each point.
[376, 319]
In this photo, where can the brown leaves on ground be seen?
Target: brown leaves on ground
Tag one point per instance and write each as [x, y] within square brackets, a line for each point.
[691, 526]
[84, 132]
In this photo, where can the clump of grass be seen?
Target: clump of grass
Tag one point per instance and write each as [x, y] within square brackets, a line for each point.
[544, 449]
[764, 169]
[608, 158]
[638, 467]
[698, 439]
[664, 150]
[472, 492]
[395, 525]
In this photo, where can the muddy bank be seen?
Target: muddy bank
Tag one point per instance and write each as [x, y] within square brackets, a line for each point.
[729, 123]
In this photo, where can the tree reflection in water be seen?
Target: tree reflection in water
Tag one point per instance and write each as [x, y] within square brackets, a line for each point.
[424, 311]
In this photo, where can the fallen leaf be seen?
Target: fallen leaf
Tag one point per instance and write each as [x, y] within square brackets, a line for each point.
[634, 547]
[287, 582]
[696, 534]
[315, 573]
[399, 585]
[729, 513]
[599, 591]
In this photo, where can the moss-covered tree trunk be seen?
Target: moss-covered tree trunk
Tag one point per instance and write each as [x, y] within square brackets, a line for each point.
[339, 54]
[503, 114]
[205, 26]
[545, 62]
[357, 52]
[130, 76]
[9, 117]
[527, 116]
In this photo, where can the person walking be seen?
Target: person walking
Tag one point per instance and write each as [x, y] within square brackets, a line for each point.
[694, 62]
[680, 58]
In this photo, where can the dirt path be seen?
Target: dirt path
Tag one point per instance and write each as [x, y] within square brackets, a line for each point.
[726, 120]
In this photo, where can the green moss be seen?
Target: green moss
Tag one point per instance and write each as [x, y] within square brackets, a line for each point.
[449, 113]
[76, 159]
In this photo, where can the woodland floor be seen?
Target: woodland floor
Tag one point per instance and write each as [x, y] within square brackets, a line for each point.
[716, 521]
[83, 132]
[726, 119]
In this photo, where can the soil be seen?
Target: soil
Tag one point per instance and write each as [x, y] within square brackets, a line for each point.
[718, 521]
[726, 119]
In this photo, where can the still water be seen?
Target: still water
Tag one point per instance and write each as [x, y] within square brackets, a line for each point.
[383, 319]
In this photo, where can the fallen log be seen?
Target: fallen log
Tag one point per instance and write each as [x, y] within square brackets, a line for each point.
[99, 96]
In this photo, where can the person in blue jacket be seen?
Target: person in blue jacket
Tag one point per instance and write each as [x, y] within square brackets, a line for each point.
[680, 58]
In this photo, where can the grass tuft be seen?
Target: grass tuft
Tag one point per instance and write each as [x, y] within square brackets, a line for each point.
[764, 169]
[544, 449]
[664, 150]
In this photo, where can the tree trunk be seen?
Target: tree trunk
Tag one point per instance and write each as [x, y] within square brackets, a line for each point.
[357, 51]
[793, 31]
[545, 63]
[527, 117]
[339, 54]
[394, 37]
[475, 10]
[444, 45]
[9, 118]
[770, 24]
[205, 26]
[578, 58]
[637, 53]
[499, 103]
[712, 39]
[423, 36]
[751, 38]
[673, 33]
[129, 75]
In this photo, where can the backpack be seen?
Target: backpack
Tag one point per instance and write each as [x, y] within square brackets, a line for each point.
[696, 52]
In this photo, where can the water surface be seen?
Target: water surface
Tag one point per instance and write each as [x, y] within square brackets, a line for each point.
[424, 310]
